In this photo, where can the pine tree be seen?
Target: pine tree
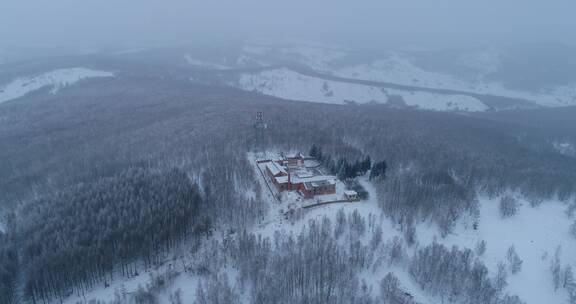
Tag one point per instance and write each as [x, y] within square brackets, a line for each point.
[200, 295]
[514, 260]
[568, 276]
[508, 206]
[378, 170]
[500, 280]
[481, 247]
[555, 269]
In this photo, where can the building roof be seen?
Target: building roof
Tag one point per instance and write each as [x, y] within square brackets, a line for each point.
[316, 184]
[310, 163]
[275, 168]
[281, 179]
[312, 179]
[296, 155]
[303, 174]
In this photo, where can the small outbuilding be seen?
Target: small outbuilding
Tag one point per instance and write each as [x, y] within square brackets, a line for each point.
[351, 195]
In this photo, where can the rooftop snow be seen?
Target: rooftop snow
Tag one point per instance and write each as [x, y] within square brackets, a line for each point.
[297, 180]
[275, 168]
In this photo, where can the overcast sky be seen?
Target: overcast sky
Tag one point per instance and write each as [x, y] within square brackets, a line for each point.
[147, 22]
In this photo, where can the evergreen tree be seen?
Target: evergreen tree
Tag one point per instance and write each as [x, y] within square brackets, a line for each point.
[508, 206]
[514, 260]
[379, 170]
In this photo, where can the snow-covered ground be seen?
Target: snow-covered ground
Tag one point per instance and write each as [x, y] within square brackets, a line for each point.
[287, 84]
[56, 79]
[256, 49]
[439, 102]
[484, 62]
[565, 148]
[205, 64]
[276, 222]
[399, 69]
[319, 56]
[106, 294]
[315, 57]
[535, 232]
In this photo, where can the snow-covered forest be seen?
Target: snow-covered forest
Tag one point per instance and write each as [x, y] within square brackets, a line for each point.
[302, 152]
[140, 189]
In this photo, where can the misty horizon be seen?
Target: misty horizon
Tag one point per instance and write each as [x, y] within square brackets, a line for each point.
[447, 23]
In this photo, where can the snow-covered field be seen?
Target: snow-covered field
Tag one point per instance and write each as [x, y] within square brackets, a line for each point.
[255, 49]
[201, 63]
[318, 56]
[396, 68]
[287, 84]
[56, 79]
[399, 69]
[315, 57]
[439, 102]
[535, 232]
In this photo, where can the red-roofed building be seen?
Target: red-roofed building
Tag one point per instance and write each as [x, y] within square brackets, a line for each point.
[303, 181]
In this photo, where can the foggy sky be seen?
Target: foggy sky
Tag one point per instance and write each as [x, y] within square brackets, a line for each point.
[368, 22]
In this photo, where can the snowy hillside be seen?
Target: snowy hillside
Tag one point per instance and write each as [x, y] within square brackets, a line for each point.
[399, 69]
[484, 62]
[405, 67]
[535, 232]
[205, 64]
[315, 57]
[55, 80]
[287, 84]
